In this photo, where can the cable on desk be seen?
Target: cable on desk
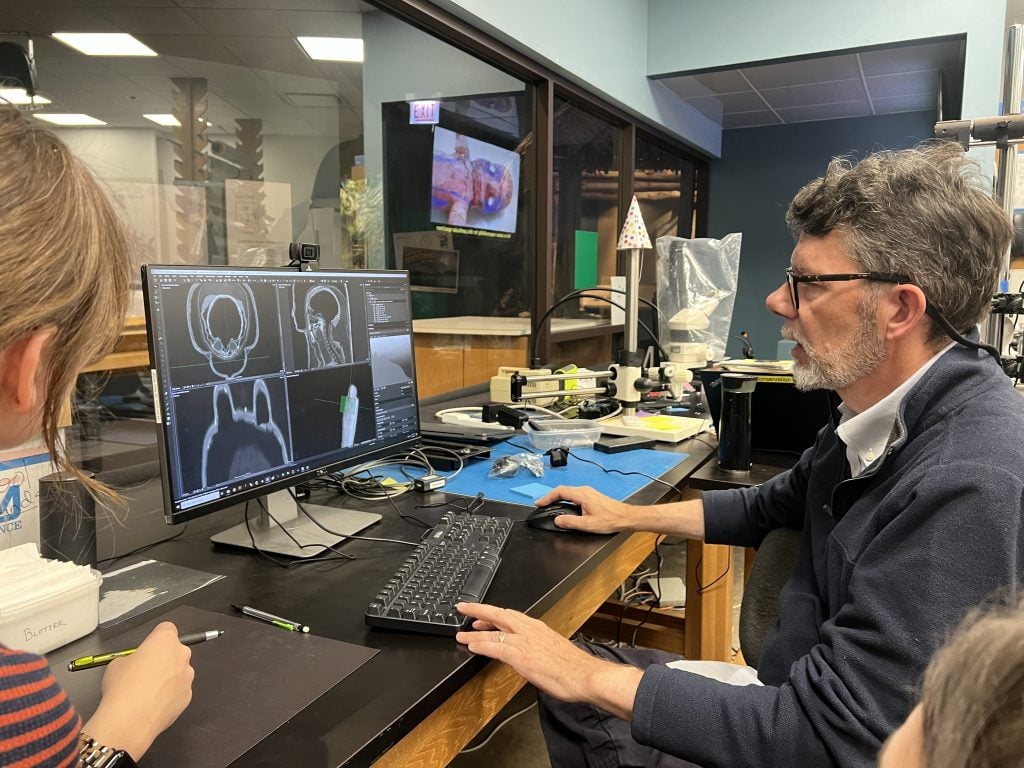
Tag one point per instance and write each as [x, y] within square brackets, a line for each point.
[401, 514]
[621, 472]
[282, 563]
[469, 506]
[143, 548]
[321, 526]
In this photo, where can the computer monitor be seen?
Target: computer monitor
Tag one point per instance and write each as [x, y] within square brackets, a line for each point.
[265, 378]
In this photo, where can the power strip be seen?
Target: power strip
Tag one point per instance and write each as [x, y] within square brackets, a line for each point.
[669, 590]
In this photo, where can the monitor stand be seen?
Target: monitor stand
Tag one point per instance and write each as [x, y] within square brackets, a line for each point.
[268, 536]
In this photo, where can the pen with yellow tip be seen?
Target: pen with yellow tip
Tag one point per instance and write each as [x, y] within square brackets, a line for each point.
[102, 659]
[277, 621]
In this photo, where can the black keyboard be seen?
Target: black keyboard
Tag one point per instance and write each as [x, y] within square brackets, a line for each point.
[456, 562]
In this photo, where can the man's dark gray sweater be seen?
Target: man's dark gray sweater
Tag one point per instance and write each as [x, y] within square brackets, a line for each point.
[890, 562]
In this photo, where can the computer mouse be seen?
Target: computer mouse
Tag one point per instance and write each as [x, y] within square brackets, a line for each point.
[543, 518]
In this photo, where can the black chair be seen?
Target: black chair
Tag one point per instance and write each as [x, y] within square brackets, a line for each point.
[759, 611]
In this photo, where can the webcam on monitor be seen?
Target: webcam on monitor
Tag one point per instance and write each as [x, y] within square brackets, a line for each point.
[304, 255]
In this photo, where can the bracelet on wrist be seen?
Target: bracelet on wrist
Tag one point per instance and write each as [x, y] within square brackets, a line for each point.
[94, 755]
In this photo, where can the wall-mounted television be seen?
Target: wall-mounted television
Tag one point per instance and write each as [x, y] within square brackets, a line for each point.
[473, 183]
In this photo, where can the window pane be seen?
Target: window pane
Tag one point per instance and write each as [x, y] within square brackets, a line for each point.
[663, 183]
[586, 206]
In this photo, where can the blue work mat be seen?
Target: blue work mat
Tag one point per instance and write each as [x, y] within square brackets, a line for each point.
[524, 488]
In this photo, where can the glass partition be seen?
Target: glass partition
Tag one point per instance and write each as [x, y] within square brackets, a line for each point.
[586, 206]
[663, 182]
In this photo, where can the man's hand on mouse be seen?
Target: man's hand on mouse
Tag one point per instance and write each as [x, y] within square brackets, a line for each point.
[600, 513]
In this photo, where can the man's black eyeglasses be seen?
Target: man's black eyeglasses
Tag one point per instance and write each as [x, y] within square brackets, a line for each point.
[794, 279]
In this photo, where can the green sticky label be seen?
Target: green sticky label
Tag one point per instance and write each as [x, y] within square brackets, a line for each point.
[585, 260]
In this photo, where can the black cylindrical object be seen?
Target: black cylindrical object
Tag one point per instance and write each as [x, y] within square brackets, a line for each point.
[734, 422]
[67, 519]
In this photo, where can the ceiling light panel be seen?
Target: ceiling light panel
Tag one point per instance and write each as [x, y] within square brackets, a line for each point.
[104, 43]
[163, 119]
[333, 48]
[19, 97]
[67, 118]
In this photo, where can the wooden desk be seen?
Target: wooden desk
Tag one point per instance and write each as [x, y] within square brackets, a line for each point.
[422, 698]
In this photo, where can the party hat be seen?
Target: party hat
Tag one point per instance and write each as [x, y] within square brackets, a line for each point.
[634, 233]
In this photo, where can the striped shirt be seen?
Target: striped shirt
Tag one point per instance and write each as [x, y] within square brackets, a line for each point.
[38, 724]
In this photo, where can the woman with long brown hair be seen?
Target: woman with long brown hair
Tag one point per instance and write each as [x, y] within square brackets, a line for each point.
[65, 266]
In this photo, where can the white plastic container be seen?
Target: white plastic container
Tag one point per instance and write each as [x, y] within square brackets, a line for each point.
[566, 433]
[42, 625]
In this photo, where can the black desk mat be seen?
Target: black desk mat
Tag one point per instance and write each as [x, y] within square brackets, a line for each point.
[248, 682]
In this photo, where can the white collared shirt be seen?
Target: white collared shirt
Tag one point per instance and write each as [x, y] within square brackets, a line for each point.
[866, 434]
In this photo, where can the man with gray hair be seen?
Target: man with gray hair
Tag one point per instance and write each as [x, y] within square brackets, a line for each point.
[910, 506]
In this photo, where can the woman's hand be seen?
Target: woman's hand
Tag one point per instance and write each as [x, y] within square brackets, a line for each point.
[144, 693]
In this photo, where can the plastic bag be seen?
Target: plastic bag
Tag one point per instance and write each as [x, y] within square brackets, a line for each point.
[509, 466]
[696, 291]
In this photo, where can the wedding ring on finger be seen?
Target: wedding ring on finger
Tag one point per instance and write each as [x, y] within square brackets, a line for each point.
[501, 637]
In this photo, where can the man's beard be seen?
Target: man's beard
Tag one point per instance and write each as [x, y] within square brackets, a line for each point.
[843, 364]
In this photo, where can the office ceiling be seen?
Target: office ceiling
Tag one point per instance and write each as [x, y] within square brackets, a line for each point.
[878, 81]
[246, 50]
[254, 67]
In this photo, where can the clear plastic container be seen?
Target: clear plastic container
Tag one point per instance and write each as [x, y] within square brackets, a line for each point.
[40, 626]
[562, 433]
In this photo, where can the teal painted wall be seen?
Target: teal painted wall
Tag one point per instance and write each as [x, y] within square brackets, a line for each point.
[600, 44]
[751, 187]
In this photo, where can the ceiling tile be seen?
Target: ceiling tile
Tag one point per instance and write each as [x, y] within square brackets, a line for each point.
[271, 53]
[917, 102]
[243, 23]
[125, 3]
[821, 69]
[250, 101]
[70, 65]
[157, 21]
[188, 47]
[725, 81]
[750, 119]
[223, 76]
[137, 66]
[686, 87]
[8, 21]
[709, 106]
[107, 82]
[858, 108]
[741, 102]
[44, 19]
[285, 83]
[243, 4]
[910, 58]
[324, 24]
[346, 6]
[817, 93]
[904, 84]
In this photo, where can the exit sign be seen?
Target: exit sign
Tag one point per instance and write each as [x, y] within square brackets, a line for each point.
[424, 112]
